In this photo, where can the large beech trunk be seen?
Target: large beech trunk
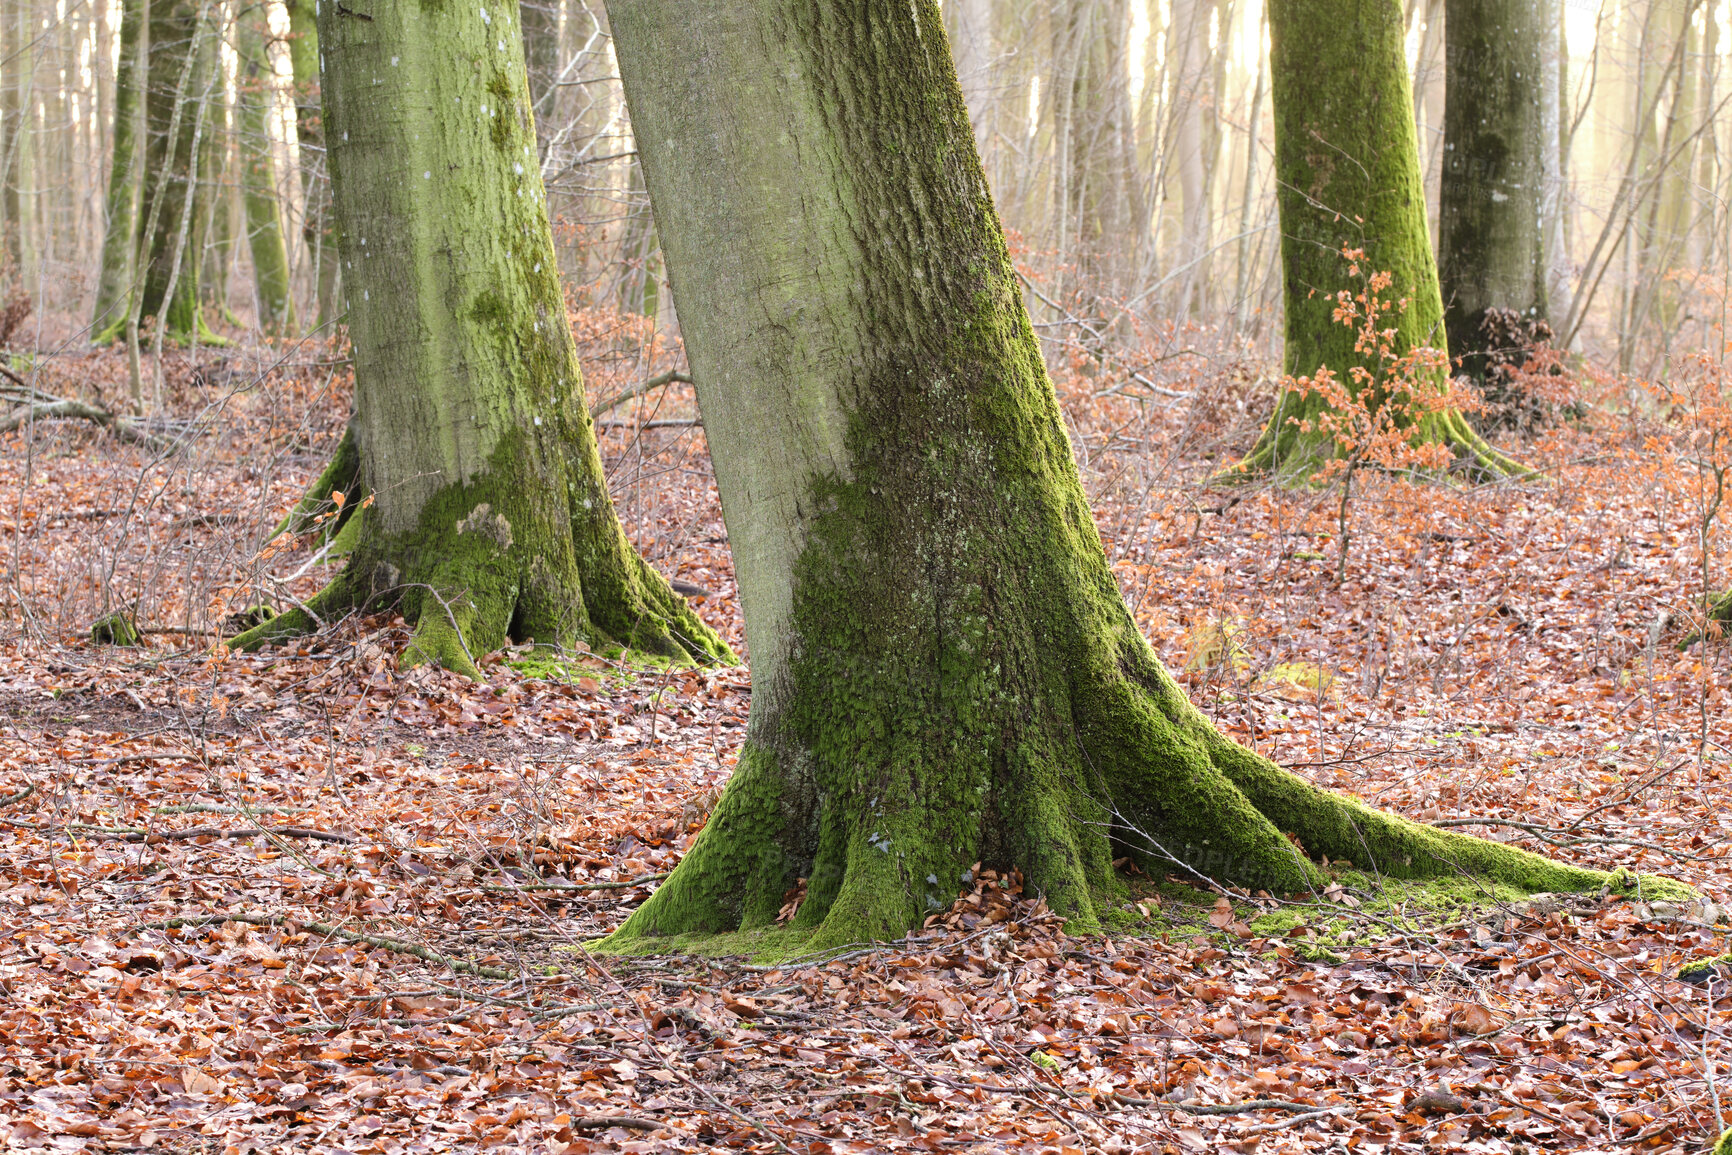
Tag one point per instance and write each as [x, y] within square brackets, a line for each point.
[1347, 173]
[490, 516]
[943, 668]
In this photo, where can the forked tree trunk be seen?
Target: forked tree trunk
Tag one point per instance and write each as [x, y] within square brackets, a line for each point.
[1347, 173]
[1491, 243]
[944, 670]
[491, 517]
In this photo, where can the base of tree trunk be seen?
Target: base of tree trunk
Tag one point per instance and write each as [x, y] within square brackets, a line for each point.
[183, 336]
[1719, 612]
[1293, 457]
[1148, 778]
[487, 566]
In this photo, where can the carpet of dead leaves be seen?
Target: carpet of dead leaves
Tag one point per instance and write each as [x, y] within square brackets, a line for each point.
[304, 900]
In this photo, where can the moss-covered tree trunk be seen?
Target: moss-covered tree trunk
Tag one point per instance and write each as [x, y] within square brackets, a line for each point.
[944, 670]
[1491, 243]
[264, 225]
[182, 50]
[491, 517]
[1347, 174]
[126, 174]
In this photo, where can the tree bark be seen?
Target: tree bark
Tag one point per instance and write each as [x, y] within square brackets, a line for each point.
[944, 670]
[1491, 250]
[316, 235]
[174, 116]
[126, 174]
[264, 219]
[1347, 173]
[490, 516]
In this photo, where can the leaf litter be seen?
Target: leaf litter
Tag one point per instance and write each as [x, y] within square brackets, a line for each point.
[305, 900]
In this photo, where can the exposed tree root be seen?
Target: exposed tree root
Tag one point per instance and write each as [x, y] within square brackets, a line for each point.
[1289, 456]
[1148, 777]
[492, 562]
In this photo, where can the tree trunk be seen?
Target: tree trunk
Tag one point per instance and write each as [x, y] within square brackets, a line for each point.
[490, 516]
[1188, 41]
[126, 174]
[969, 24]
[1490, 250]
[944, 670]
[320, 243]
[541, 50]
[180, 82]
[264, 224]
[1347, 173]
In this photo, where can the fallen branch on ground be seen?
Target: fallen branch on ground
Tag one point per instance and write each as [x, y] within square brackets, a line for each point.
[575, 886]
[140, 834]
[32, 404]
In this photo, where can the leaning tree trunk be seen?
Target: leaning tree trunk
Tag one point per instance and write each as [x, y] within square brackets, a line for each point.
[943, 668]
[490, 516]
[126, 175]
[1491, 241]
[1347, 174]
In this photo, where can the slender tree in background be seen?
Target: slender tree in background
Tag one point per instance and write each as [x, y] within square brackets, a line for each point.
[126, 172]
[316, 233]
[180, 67]
[264, 225]
[1098, 210]
[1490, 249]
[1347, 174]
[489, 516]
[1188, 83]
[540, 50]
[944, 670]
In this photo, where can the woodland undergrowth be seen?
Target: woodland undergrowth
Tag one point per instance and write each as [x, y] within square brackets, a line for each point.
[304, 900]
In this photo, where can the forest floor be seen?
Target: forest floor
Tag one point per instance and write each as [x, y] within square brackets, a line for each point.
[303, 900]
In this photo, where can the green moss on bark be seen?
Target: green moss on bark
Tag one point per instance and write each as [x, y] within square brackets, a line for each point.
[955, 677]
[1347, 174]
[475, 499]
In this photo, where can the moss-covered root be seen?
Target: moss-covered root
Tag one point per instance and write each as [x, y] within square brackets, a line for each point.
[1719, 612]
[643, 612]
[1703, 970]
[116, 629]
[1291, 457]
[1724, 1145]
[332, 601]
[342, 475]
[1174, 794]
